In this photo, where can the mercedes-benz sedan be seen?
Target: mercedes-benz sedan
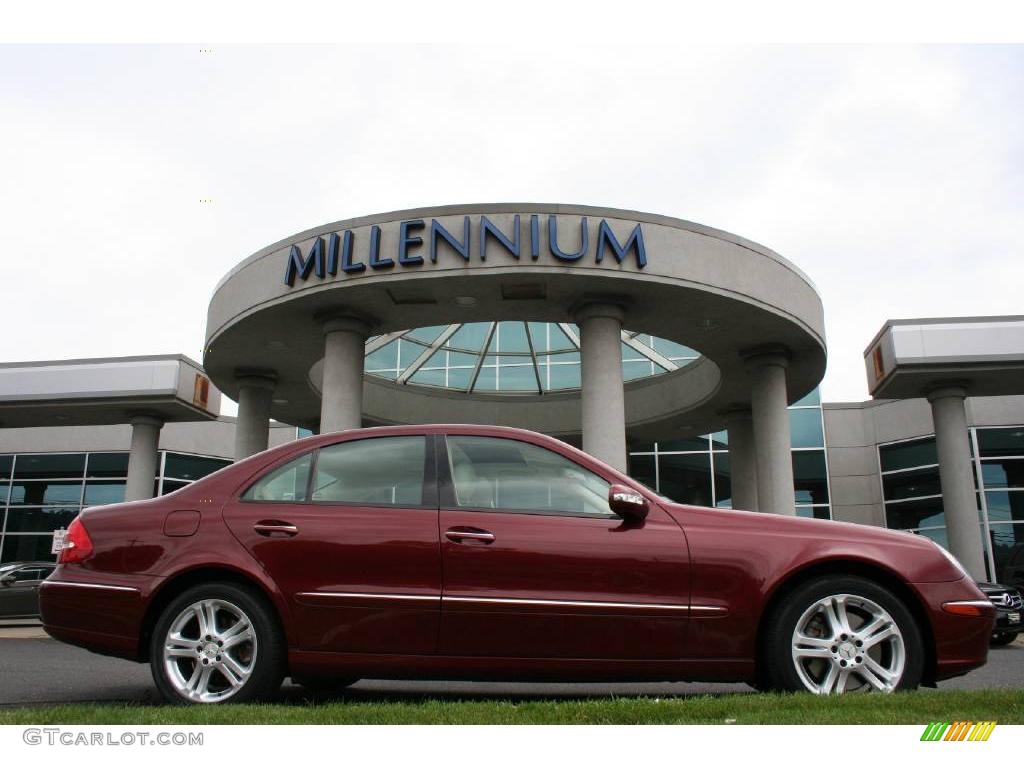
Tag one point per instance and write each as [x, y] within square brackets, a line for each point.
[485, 553]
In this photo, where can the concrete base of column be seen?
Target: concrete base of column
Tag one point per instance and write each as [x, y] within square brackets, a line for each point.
[252, 427]
[341, 405]
[768, 401]
[956, 475]
[602, 393]
[742, 458]
[143, 458]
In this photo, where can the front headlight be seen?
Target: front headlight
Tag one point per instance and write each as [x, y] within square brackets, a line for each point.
[952, 560]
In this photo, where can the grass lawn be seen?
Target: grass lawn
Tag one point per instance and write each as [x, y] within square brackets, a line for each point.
[918, 708]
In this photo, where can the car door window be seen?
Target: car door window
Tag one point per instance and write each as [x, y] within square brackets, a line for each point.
[511, 475]
[285, 483]
[380, 471]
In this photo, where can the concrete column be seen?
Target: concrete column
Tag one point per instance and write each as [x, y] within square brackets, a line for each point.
[341, 406]
[602, 393]
[742, 458]
[143, 458]
[768, 401]
[957, 477]
[252, 428]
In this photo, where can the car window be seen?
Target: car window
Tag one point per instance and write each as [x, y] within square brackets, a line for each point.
[285, 483]
[510, 475]
[386, 471]
[28, 574]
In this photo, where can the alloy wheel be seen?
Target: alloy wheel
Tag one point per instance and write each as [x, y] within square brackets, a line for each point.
[844, 643]
[209, 651]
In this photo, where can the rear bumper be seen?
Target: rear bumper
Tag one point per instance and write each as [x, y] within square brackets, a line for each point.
[961, 642]
[100, 617]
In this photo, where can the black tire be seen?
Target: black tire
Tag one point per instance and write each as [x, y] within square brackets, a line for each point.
[267, 651]
[868, 601]
[1003, 638]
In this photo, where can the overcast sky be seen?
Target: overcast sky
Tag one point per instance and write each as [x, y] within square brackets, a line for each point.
[892, 176]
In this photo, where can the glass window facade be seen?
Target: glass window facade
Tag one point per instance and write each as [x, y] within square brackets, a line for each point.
[913, 495]
[41, 492]
[697, 471]
[509, 356]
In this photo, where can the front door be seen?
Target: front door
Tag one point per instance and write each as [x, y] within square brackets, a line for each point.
[537, 566]
[349, 534]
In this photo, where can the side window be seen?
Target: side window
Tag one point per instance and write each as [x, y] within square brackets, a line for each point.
[284, 483]
[510, 475]
[28, 574]
[387, 471]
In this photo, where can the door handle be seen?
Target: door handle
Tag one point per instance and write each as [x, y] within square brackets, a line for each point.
[270, 527]
[458, 534]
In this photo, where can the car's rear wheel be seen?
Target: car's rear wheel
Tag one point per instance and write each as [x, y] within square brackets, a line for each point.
[1003, 638]
[214, 643]
[842, 634]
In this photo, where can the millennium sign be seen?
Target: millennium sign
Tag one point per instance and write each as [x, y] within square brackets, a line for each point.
[341, 253]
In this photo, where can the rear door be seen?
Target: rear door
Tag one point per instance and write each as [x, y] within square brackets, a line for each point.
[349, 534]
[537, 566]
[21, 598]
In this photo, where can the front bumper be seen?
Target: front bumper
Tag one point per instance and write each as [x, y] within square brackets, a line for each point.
[961, 642]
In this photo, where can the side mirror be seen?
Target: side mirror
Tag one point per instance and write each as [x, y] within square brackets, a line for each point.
[6, 581]
[627, 503]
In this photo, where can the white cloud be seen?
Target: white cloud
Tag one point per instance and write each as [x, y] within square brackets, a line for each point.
[892, 176]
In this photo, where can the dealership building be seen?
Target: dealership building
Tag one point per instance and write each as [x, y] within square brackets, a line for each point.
[684, 355]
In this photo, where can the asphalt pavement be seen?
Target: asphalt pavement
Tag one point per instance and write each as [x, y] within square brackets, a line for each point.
[35, 669]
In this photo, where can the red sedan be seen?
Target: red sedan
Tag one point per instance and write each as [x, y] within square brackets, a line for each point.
[445, 552]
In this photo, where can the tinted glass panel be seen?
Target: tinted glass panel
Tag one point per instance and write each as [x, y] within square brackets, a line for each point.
[811, 398]
[286, 483]
[170, 486]
[915, 482]
[686, 444]
[39, 519]
[820, 513]
[723, 480]
[914, 514]
[810, 480]
[686, 478]
[805, 428]
[383, 470]
[1005, 506]
[1008, 552]
[5, 466]
[103, 493]
[49, 465]
[27, 548]
[641, 468]
[938, 535]
[191, 467]
[915, 453]
[1006, 441]
[1003, 473]
[107, 465]
[502, 474]
[46, 491]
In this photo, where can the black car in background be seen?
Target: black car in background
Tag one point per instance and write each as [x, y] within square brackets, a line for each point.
[1009, 610]
[19, 588]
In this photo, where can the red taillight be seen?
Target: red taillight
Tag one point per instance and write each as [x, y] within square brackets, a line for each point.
[77, 544]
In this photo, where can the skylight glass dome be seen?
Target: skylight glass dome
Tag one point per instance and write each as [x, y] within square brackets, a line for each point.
[511, 357]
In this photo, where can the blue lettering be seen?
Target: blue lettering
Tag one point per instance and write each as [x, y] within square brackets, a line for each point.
[487, 227]
[405, 240]
[347, 265]
[376, 262]
[535, 237]
[635, 241]
[303, 268]
[557, 252]
[462, 248]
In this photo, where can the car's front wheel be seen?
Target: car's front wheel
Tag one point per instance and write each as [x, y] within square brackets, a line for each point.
[841, 634]
[215, 643]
